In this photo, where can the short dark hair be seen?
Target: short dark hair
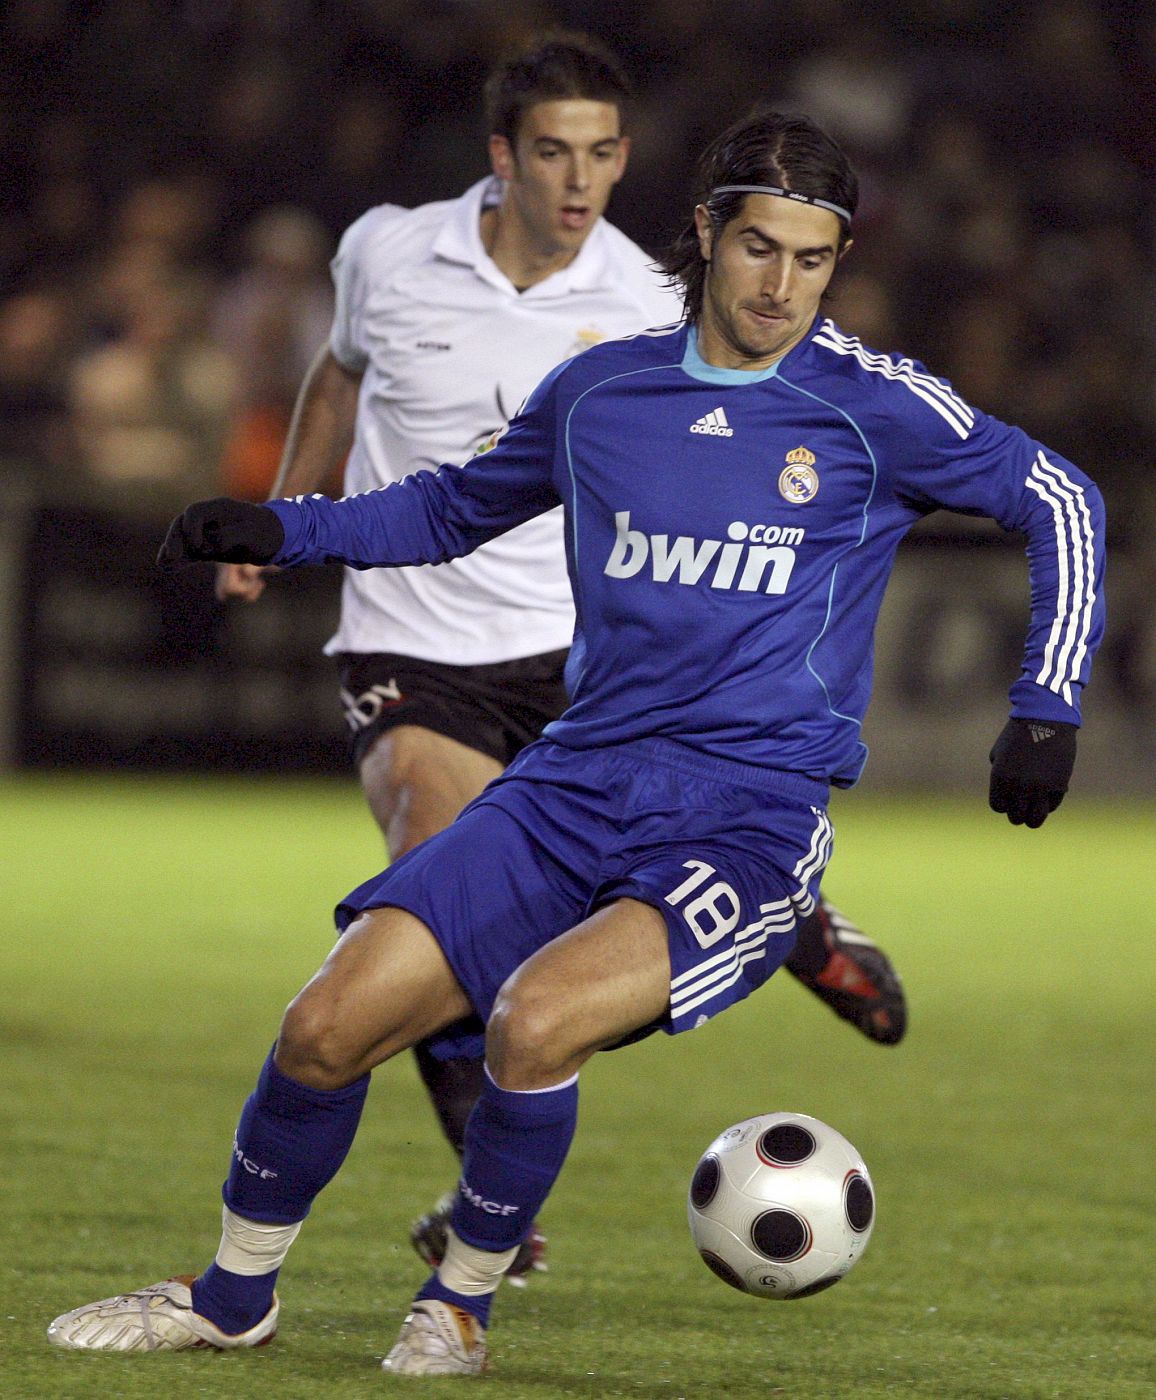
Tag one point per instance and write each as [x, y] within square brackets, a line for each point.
[550, 68]
[764, 148]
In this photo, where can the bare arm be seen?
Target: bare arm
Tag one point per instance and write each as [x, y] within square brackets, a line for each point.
[321, 432]
[320, 435]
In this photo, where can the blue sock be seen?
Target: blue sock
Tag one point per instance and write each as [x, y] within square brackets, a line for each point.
[516, 1144]
[478, 1303]
[290, 1142]
[235, 1302]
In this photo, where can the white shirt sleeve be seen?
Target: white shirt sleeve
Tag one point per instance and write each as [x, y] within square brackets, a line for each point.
[351, 285]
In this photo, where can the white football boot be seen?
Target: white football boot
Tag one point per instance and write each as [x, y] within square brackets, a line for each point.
[438, 1339]
[157, 1318]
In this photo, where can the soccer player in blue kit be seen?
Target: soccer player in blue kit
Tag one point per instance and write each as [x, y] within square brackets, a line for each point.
[735, 490]
[447, 673]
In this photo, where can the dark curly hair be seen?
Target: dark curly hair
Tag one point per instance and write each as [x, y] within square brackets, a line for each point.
[549, 68]
[764, 148]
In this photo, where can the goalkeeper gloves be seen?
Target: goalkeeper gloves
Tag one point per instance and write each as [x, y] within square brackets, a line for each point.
[231, 532]
[1031, 763]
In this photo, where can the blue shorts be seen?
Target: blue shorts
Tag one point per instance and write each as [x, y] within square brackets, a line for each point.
[731, 855]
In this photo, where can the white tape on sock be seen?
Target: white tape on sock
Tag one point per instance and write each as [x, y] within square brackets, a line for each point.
[250, 1248]
[473, 1271]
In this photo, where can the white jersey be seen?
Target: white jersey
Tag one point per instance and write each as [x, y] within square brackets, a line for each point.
[448, 349]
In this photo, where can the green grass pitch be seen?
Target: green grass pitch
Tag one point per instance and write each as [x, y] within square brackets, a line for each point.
[153, 930]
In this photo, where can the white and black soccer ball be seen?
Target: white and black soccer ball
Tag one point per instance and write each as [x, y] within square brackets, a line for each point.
[781, 1206]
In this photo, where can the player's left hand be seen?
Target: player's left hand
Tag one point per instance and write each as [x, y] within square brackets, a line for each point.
[230, 532]
[1031, 765]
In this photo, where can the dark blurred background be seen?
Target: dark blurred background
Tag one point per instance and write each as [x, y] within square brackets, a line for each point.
[177, 175]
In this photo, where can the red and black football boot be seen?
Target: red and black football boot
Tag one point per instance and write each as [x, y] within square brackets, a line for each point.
[852, 974]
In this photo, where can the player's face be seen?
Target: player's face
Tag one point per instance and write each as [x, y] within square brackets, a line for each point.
[769, 267]
[566, 158]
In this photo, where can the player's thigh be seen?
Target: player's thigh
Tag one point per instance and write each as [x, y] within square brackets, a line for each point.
[731, 867]
[417, 781]
[385, 986]
[511, 874]
[587, 989]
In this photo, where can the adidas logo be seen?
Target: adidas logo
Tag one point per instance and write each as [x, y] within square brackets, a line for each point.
[1040, 732]
[714, 425]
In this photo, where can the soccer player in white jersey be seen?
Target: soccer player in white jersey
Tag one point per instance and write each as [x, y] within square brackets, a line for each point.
[447, 316]
[643, 865]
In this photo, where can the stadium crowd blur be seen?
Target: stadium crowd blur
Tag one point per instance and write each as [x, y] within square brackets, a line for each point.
[177, 173]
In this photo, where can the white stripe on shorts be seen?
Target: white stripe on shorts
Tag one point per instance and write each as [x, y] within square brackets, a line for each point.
[715, 974]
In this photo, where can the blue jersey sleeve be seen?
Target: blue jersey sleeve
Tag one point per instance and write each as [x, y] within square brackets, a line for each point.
[950, 455]
[433, 516]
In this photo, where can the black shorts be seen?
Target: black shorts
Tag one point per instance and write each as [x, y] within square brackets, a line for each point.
[496, 709]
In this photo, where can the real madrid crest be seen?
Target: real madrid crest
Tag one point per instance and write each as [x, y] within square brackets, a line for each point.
[587, 337]
[799, 481]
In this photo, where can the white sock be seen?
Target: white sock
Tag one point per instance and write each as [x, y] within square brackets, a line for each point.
[471, 1271]
[250, 1248]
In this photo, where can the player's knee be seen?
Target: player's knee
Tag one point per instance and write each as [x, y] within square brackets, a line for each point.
[313, 1048]
[396, 762]
[527, 1040]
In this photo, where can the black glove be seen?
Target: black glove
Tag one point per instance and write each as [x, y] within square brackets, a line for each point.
[231, 532]
[1031, 763]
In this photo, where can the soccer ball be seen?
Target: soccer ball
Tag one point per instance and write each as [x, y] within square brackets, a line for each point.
[781, 1206]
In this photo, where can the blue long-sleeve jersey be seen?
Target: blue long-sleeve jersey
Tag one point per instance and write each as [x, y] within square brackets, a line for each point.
[729, 536]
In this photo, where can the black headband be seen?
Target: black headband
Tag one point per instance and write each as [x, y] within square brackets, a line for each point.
[783, 194]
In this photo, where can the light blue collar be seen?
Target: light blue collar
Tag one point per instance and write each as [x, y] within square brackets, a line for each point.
[694, 365]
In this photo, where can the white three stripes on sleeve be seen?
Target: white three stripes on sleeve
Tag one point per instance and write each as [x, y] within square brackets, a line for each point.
[1067, 643]
[956, 412]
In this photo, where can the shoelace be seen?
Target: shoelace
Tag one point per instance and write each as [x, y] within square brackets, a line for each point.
[429, 1331]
